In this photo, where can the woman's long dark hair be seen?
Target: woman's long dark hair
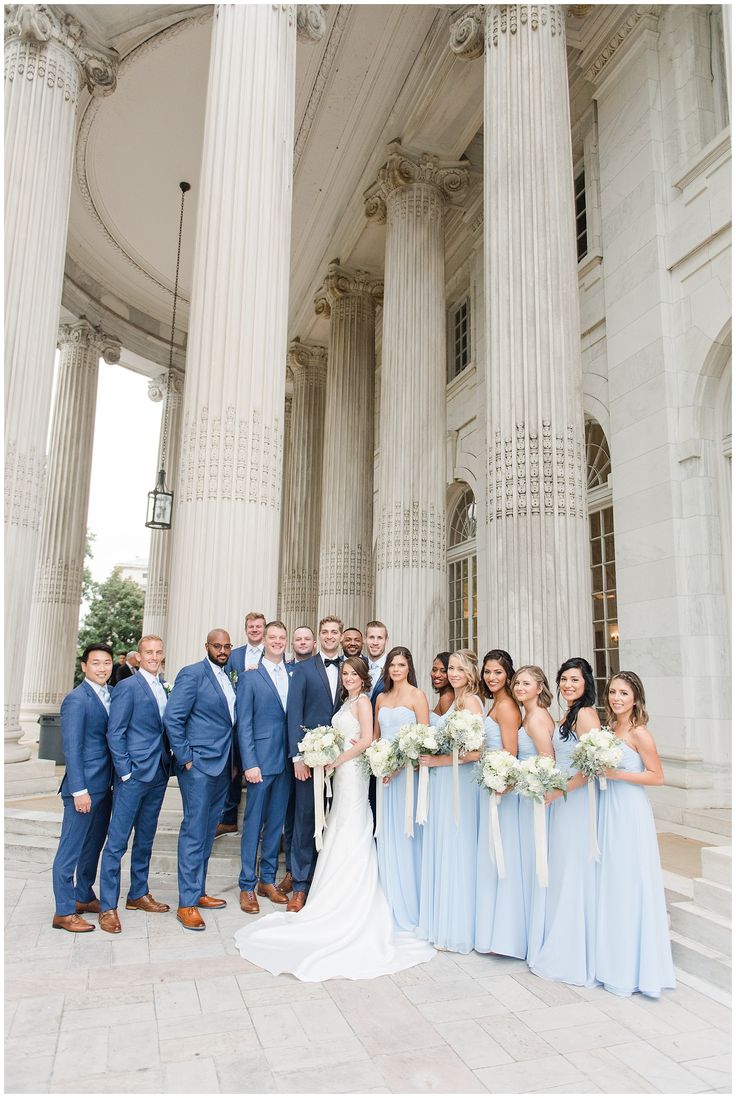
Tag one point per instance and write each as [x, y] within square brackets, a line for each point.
[586, 701]
[498, 655]
[398, 651]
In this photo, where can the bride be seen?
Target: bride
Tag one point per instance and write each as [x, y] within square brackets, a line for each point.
[345, 929]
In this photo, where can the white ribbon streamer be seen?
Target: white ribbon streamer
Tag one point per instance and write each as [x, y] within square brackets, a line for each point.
[409, 801]
[379, 806]
[456, 785]
[540, 843]
[594, 848]
[318, 776]
[602, 781]
[423, 795]
[495, 845]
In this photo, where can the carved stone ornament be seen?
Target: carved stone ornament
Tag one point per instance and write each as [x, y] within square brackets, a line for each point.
[509, 18]
[157, 386]
[38, 24]
[468, 32]
[642, 17]
[311, 23]
[340, 282]
[87, 337]
[306, 355]
[404, 168]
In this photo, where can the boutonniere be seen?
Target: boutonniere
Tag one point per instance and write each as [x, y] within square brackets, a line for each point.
[167, 687]
[291, 674]
[234, 678]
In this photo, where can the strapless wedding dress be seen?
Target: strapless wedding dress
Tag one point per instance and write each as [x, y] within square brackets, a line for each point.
[345, 929]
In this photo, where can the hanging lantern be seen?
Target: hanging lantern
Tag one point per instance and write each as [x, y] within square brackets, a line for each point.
[160, 500]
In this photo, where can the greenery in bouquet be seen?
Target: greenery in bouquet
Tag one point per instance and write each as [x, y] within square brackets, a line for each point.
[320, 746]
[596, 752]
[496, 771]
[538, 776]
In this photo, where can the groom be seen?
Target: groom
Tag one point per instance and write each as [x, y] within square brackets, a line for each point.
[314, 690]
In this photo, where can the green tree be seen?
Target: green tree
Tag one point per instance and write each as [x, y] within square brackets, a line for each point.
[88, 584]
[115, 616]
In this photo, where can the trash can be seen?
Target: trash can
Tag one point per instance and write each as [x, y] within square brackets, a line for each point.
[50, 743]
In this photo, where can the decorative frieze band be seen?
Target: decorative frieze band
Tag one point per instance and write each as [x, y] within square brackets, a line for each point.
[345, 571]
[411, 536]
[529, 476]
[226, 458]
[25, 475]
[509, 18]
[33, 26]
[645, 16]
[299, 589]
[58, 582]
[157, 597]
[341, 283]
[404, 169]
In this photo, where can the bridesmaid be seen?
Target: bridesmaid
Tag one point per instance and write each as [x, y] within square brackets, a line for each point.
[499, 927]
[568, 946]
[399, 858]
[531, 690]
[447, 891]
[441, 684]
[632, 940]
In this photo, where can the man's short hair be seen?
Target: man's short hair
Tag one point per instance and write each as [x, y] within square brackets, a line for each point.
[276, 625]
[149, 637]
[352, 629]
[376, 625]
[309, 627]
[254, 615]
[133, 652]
[328, 619]
[100, 647]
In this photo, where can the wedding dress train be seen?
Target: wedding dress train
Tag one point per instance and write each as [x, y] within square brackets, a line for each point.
[345, 928]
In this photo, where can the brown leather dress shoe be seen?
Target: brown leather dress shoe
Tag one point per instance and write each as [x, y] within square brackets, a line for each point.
[286, 884]
[211, 902]
[190, 918]
[272, 893]
[75, 924]
[92, 907]
[226, 829]
[110, 922]
[249, 903]
[297, 901]
[146, 903]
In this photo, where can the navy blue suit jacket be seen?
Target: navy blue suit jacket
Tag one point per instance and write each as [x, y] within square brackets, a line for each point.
[310, 700]
[379, 688]
[237, 659]
[197, 719]
[261, 722]
[135, 731]
[84, 732]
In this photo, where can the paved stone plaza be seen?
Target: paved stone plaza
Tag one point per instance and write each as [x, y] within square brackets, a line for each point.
[158, 1009]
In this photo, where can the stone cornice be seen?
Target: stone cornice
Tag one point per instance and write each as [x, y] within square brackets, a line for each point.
[341, 282]
[39, 24]
[88, 337]
[614, 37]
[305, 355]
[404, 169]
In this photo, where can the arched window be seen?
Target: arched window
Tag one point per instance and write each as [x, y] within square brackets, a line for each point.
[462, 570]
[602, 556]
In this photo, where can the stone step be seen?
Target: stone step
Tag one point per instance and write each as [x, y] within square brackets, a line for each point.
[716, 864]
[715, 820]
[707, 964]
[702, 926]
[713, 897]
[163, 861]
[31, 768]
[38, 848]
[21, 821]
[25, 787]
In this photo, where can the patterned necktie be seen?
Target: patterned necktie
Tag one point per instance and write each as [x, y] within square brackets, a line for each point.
[106, 698]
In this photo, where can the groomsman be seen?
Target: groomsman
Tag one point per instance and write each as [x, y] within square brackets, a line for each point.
[352, 642]
[199, 720]
[314, 693]
[86, 792]
[376, 640]
[142, 761]
[244, 658]
[302, 645]
[261, 726]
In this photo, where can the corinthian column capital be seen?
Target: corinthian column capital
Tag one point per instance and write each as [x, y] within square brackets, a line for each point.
[514, 18]
[38, 24]
[306, 355]
[468, 32]
[310, 22]
[87, 337]
[163, 383]
[340, 282]
[405, 169]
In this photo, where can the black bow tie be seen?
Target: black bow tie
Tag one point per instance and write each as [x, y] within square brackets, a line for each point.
[333, 663]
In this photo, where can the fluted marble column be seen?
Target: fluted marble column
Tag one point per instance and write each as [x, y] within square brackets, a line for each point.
[57, 588]
[538, 580]
[303, 475]
[346, 532]
[156, 609]
[285, 492]
[411, 571]
[226, 526]
[48, 60]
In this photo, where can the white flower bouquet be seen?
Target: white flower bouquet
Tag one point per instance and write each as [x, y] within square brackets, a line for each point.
[596, 751]
[535, 778]
[378, 760]
[496, 771]
[320, 746]
[462, 732]
[412, 740]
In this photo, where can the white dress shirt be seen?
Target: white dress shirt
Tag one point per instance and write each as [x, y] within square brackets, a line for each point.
[156, 686]
[333, 674]
[277, 671]
[252, 656]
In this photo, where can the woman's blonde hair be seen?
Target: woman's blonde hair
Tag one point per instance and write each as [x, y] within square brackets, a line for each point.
[545, 694]
[639, 715]
[469, 663]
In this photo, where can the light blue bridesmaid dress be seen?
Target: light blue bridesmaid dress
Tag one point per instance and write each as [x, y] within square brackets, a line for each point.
[534, 896]
[500, 926]
[567, 952]
[449, 853]
[632, 940]
[399, 858]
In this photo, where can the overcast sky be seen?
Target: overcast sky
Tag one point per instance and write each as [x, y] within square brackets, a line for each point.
[123, 468]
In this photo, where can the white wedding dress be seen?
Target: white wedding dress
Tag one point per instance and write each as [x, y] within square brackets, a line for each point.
[345, 929]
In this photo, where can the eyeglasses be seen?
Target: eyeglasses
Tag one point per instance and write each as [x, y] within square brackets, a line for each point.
[222, 647]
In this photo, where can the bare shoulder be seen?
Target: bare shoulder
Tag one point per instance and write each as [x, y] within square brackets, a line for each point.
[474, 705]
[587, 720]
[643, 738]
